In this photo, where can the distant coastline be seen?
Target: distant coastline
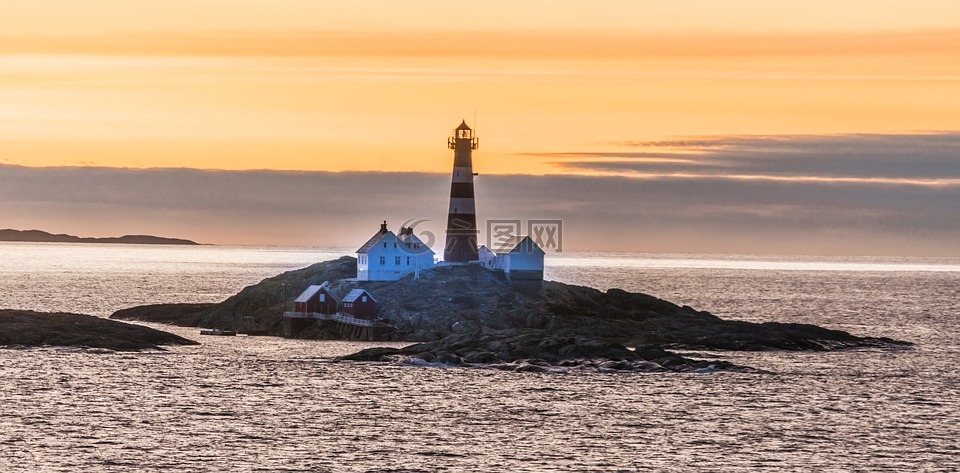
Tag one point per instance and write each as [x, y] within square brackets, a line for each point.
[38, 236]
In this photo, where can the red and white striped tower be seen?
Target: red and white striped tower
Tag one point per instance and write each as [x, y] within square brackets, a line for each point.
[461, 243]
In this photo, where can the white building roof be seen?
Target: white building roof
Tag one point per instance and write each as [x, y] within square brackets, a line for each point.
[405, 241]
[374, 241]
[518, 244]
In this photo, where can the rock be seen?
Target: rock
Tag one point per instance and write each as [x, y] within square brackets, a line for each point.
[484, 357]
[427, 357]
[449, 359]
[183, 315]
[528, 368]
[464, 327]
[618, 365]
[468, 314]
[648, 366]
[374, 354]
[28, 328]
[539, 351]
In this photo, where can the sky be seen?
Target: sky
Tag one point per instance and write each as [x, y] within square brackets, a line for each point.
[819, 127]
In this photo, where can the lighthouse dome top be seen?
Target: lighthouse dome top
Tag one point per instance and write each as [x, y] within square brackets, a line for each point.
[464, 136]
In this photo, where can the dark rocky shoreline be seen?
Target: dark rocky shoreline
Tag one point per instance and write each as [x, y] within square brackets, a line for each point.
[469, 316]
[537, 351]
[37, 329]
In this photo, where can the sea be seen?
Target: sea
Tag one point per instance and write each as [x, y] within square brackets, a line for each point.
[272, 404]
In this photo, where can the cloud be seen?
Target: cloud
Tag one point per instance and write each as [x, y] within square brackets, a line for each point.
[323, 209]
[217, 206]
[500, 44]
[909, 159]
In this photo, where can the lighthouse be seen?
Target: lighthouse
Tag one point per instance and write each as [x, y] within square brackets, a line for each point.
[461, 242]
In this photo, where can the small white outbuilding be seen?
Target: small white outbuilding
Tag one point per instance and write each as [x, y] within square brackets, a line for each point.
[488, 259]
[521, 259]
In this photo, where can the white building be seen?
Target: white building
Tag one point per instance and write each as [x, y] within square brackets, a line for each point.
[521, 259]
[389, 257]
[488, 259]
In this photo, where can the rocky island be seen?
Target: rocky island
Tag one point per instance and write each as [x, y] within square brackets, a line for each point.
[34, 329]
[467, 315]
[38, 236]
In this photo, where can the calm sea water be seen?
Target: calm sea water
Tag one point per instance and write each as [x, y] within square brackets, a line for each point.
[269, 404]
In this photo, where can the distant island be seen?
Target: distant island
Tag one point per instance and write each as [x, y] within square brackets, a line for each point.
[38, 236]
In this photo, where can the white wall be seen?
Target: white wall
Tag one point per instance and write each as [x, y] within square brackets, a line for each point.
[526, 261]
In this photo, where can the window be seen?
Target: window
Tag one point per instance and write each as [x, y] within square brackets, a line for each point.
[384, 244]
[394, 244]
[383, 260]
[364, 298]
[408, 261]
[323, 297]
[396, 261]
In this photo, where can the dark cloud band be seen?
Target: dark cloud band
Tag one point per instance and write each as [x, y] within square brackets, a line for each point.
[911, 159]
[706, 214]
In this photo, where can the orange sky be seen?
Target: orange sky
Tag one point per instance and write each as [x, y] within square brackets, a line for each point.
[824, 127]
[377, 85]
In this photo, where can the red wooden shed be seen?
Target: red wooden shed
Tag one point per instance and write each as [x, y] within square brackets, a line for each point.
[360, 304]
[317, 299]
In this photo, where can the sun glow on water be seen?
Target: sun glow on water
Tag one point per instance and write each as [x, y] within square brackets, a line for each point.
[754, 262]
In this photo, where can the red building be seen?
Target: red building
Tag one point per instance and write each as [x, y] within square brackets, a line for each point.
[317, 299]
[360, 304]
